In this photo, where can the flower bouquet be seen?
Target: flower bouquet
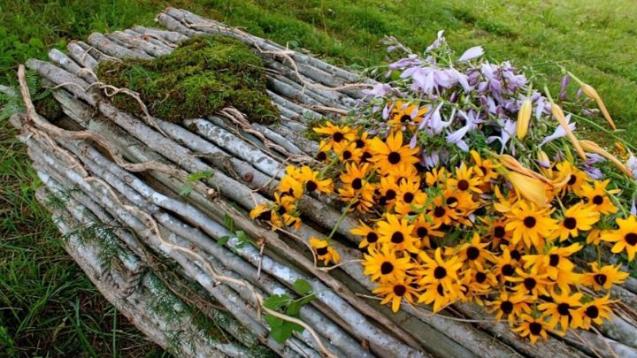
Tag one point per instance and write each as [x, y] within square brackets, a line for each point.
[470, 185]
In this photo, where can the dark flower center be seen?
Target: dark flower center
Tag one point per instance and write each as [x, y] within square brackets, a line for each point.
[515, 254]
[357, 183]
[631, 238]
[439, 211]
[451, 200]
[347, 155]
[440, 290]
[570, 223]
[440, 272]
[386, 268]
[365, 157]
[390, 194]
[372, 237]
[530, 222]
[311, 186]
[405, 118]
[397, 238]
[507, 270]
[481, 277]
[600, 278]
[563, 309]
[321, 251]
[337, 137]
[360, 143]
[422, 232]
[530, 283]
[321, 156]
[499, 232]
[472, 252]
[592, 312]
[463, 185]
[394, 157]
[266, 215]
[572, 179]
[506, 307]
[408, 197]
[535, 328]
[399, 290]
[554, 259]
[598, 200]
[281, 210]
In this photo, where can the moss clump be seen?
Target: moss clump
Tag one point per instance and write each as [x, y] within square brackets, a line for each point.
[202, 76]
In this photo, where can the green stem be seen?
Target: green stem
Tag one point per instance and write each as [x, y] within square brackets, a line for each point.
[341, 218]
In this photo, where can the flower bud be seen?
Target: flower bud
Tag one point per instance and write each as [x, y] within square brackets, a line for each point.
[524, 117]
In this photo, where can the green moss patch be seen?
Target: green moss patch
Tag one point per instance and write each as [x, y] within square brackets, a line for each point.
[199, 78]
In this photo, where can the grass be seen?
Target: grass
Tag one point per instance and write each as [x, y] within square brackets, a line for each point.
[47, 306]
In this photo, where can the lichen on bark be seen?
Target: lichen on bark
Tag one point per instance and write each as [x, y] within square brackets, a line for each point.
[200, 77]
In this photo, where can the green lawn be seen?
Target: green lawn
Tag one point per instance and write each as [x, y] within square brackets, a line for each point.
[47, 307]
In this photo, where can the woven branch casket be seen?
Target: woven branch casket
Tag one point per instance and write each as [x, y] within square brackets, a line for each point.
[114, 184]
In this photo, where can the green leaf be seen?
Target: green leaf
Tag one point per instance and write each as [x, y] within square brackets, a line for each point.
[223, 240]
[228, 222]
[196, 176]
[302, 287]
[281, 330]
[276, 302]
[186, 190]
[294, 308]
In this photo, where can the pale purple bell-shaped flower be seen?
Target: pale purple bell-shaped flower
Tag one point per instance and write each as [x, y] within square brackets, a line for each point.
[471, 54]
[559, 131]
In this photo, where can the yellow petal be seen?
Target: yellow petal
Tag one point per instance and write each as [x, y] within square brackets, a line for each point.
[524, 117]
[591, 146]
[559, 115]
[530, 188]
[590, 92]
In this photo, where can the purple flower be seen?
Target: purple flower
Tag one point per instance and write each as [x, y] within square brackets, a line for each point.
[379, 90]
[559, 131]
[631, 163]
[410, 61]
[471, 53]
[386, 111]
[563, 85]
[430, 79]
[633, 208]
[507, 130]
[433, 120]
[439, 41]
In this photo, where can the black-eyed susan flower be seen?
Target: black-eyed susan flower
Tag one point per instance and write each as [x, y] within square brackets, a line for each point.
[405, 114]
[624, 238]
[595, 311]
[603, 277]
[361, 199]
[596, 194]
[505, 265]
[349, 152]
[562, 310]
[497, 232]
[436, 271]
[474, 253]
[556, 264]
[476, 284]
[339, 136]
[577, 218]
[442, 213]
[576, 178]
[465, 180]
[533, 328]
[397, 233]
[409, 196]
[389, 155]
[369, 236]
[530, 224]
[436, 176]
[324, 251]
[484, 168]
[290, 186]
[383, 264]
[387, 191]
[395, 291]
[531, 283]
[313, 182]
[509, 306]
[426, 231]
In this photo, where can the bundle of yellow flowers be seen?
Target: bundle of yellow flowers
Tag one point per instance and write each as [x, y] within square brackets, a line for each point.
[448, 214]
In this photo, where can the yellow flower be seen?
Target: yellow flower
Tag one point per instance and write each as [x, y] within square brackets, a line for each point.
[349, 153]
[383, 264]
[505, 264]
[579, 217]
[339, 135]
[597, 195]
[562, 310]
[531, 225]
[555, 263]
[313, 182]
[484, 168]
[465, 180]
[510, 306]
[390, 155]
[625, 238]
[324, 251]
[405, 114]
[396, 233]
[395, 291]
[531, 283]
[533, 328]
[436, 176]
[604, 277]
[440, 279]
[530, 188]
[356, 188]
[497, 233]
[388, 191]
[409, 196]
[369, 235]
[595, 311]
[524, 116]
[441, 213]
[425, 231]
[475, 253]
[289, 185]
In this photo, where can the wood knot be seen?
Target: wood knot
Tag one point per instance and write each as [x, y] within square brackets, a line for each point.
[212, 194]
[248, 177]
